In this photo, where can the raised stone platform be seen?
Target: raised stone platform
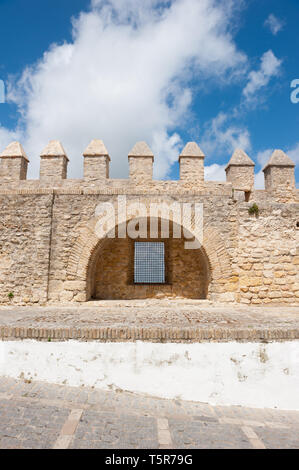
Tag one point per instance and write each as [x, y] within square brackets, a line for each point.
[150, 320]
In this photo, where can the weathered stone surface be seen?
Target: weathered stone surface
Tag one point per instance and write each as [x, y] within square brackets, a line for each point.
[14, 149]
[279, 173]
[240, 158]
[192, 166]
[141, 149]
[240, 172]
[96, 148]
[50, 250]
[13, 164]
[186, 276]
[141, 169]
[279, 158]
[192, 150]
[141, 163]
[152, 320]
[54, 149]
[35, 414]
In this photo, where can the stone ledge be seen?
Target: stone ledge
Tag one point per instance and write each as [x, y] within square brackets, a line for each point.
[155, 334]
[127, 191]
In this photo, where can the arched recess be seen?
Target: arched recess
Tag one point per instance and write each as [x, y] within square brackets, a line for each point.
[88, 246]
[111, 268]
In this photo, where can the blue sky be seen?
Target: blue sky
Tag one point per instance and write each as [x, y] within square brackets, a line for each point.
[161, 71]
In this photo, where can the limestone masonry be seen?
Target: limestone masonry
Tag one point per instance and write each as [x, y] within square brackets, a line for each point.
[50, 250]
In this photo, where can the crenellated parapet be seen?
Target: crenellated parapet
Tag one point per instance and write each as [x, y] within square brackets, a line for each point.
[141, 160]
[63, 239]
[192, 165]
[14, 163]
[96, 162]
[54, 162]
[279, 173]
[240, 171]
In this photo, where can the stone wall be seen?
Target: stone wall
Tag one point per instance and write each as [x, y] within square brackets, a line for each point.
[241, 177]
[53, 169]
[25, 238]
[186, 273]
[74, 242]
[141, 169]
[279, 176]
[250, 259]
[192, 171]
[50, 250]
[96, 169]
[13, 170]
[268, 255]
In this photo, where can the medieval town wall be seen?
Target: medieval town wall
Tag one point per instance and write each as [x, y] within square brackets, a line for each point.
[50, 251]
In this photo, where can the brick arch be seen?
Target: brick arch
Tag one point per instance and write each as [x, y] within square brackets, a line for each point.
[88, 245]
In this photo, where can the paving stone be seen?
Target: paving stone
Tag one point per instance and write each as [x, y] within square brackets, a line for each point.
[200, 435]
[279, 438]
[129, 421]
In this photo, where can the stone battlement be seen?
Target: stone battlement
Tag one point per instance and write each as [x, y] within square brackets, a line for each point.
[279, 173]
[51, 249]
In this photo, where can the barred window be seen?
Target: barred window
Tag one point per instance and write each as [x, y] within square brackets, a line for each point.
[149, 263]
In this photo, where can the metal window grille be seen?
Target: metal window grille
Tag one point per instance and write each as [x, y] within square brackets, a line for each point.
[149, 263]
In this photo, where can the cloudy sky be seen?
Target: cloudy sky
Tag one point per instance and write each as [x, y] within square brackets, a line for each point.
[164, 71]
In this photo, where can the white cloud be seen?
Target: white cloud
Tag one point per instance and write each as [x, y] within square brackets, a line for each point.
[7, 136]
[270, 67]
[126, 76]
[168, 149]
[215, 172]
[274, 24]
[264, 156]
[293, 153]
[221, 137]
[259, 180]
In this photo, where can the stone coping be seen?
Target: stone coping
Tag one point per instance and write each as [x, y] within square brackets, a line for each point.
[127, 191]
[150, 320]
[158, 335]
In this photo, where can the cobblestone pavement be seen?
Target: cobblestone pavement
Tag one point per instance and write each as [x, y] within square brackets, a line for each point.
[165, 313]
[41, 416]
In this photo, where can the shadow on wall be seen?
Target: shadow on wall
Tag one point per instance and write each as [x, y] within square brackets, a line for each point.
[113, 265]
